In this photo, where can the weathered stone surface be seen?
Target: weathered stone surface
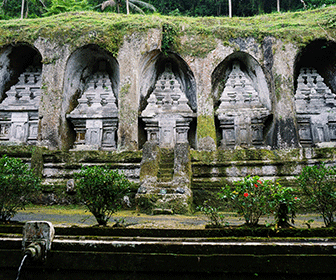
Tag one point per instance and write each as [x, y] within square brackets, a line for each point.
[314, 107]
[241, 113]
[167, 115]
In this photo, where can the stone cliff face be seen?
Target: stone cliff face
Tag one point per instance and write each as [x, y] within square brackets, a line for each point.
[240, 93]
[240, 106]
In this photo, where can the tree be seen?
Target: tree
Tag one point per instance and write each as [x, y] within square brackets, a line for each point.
[278, 6]
[62, 6]
[17, 183]
[230, 9]
[318, 183]
[133, 4]
[102, 191]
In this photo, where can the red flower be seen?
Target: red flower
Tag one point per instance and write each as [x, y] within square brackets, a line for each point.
[246, 194]
[295, 198]
[256, 185]
[258, 181]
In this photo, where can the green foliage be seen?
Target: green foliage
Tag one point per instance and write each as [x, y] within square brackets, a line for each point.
[62, 6]
[319, 185]
[212, 212]
[17, 184]
[102, 191]
[169, 35]
[284, 204]
[249, 197]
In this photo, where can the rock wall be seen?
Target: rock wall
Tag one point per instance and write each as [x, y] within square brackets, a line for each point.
[272, 66]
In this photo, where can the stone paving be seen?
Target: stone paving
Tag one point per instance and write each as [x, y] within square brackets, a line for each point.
[132, 219]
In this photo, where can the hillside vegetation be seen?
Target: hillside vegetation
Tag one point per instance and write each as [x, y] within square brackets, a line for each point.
[108, 29]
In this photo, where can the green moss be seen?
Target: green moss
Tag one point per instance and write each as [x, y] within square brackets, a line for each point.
[125, 89]
[169, 38]
[109, 30]
[22, 151]
[78, 157]
[199, 45]
[37, 161]
[150, 161]
[206, 127]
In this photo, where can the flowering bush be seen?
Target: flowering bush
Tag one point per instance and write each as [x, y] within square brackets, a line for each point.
[250, 197]
[284, 204]
[319, 185]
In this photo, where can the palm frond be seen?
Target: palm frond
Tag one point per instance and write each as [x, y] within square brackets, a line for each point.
[107, 3]
[143, 4]
[135, 8]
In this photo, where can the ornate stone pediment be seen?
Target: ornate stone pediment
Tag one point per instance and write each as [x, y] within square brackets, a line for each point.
[315, 108]
[96, 117]
[19, 117]
[167, 115]
[241, 113]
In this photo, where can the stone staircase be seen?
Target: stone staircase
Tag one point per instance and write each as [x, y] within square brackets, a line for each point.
[166, 168]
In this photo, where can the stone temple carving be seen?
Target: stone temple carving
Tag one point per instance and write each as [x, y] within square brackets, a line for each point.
[19, 109]
[95, 119]
[315, 109]
[241, 114]
[167, 115]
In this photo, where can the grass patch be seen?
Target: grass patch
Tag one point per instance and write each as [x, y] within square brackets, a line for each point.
[108, 30]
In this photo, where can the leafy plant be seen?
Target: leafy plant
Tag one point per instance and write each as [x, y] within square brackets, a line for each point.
[62, 6]
[102, 191]
[212, 212]
[249, 197]
[133, 4]
[169, 35]
[319, 185]
[284, 203]
[17, 183]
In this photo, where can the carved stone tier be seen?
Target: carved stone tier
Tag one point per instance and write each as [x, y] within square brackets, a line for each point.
[167, 115]
[95, 119]
[19, 109]
[315, 109]
[241, 114]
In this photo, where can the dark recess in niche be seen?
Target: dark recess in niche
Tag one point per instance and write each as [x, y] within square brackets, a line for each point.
[21, 57]
[321, 55]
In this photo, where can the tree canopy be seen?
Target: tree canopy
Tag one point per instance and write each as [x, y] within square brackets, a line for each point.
[38, 8]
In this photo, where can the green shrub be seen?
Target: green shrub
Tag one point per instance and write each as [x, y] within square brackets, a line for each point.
[212, 212]
[102, 191]
[17, 183]
[319, 186]
[284, 205]
[250, 197]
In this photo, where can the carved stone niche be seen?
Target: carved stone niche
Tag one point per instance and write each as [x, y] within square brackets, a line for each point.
[315, 108]
[241, 115]
[95, 119]
[167, 116]
[19, 110]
